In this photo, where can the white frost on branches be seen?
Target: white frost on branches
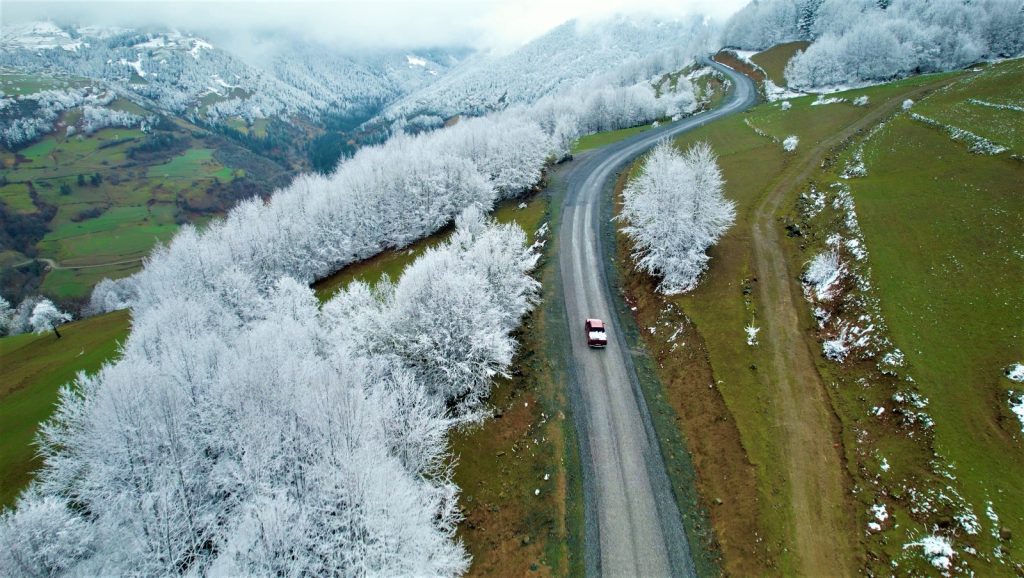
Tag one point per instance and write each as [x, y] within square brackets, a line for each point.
[822, 277]
[674, 212]
[247, 431]
[857, 41]
[46, 317]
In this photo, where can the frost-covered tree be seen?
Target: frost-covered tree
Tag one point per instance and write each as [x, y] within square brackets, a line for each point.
[46, 317]
[448, 319]
[6, 316]
[246, 431]
[674, 211]
[865, 40]
[111, 295]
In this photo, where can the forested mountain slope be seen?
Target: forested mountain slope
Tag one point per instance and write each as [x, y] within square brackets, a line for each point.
[878, 40]
[190, 76]
[617, 51]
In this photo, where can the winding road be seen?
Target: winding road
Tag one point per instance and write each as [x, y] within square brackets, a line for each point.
[633, 526]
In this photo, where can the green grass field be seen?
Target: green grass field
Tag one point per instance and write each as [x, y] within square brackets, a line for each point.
[393, 262]
[774, 60]
[943, 227]
[34, 369]
[192, 164]
[138, 202]
[600, 139]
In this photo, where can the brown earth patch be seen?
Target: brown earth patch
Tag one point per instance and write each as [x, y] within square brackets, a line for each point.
[729, 59]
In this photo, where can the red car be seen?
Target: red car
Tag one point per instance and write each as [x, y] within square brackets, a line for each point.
[596, 336]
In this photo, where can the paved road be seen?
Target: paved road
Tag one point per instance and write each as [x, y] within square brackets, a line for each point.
[633, 526]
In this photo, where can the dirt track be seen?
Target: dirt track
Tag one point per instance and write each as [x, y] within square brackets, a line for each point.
[818, 484]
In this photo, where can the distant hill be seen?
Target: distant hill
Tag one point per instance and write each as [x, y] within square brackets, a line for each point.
[187, 75]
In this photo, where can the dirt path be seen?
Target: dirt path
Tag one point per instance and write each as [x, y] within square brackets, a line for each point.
[822, 528]
[55, 265]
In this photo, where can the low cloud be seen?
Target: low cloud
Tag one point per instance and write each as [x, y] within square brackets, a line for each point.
[249, 26]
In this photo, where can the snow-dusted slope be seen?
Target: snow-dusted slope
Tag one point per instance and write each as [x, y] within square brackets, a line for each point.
[634, 47]
[186, 74]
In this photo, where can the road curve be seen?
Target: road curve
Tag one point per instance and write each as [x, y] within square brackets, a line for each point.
[633, 526]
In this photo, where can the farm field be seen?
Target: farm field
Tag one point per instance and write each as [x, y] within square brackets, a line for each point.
[106, 198]
[939, 227]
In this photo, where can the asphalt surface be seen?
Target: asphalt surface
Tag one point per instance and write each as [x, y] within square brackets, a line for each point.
[633, 526]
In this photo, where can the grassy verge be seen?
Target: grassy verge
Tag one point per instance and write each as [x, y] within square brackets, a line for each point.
[521, 491]
[34, 369]
[600, 139]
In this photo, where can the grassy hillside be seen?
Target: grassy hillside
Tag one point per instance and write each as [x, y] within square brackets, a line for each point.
[941, 226]
[95, 204]
[34, 368]
[774, 60]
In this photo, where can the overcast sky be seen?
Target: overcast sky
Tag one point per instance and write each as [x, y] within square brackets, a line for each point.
[499, 24]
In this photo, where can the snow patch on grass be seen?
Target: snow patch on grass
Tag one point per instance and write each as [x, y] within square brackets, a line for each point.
[862, 100]
[774, 92]
[996, 105]
[907, 104]
[830, 100]
[1015, 372]
[1016, 402]
[759, 131]
[977, 144]
[855, 167]
[936, 549]
[880, 513]
[789, 145]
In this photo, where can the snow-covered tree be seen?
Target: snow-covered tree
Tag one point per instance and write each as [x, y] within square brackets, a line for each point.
[46, 317]
[246, 431]
[6, 316]
[111, 295]
[865, 40]
[675, 211]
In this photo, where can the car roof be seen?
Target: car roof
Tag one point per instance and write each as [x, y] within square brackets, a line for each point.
[595, 322]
